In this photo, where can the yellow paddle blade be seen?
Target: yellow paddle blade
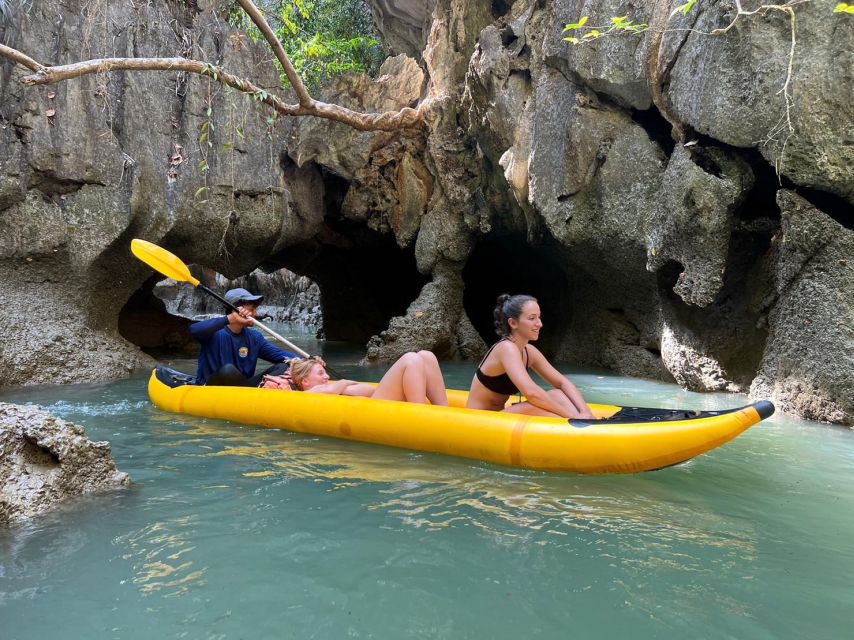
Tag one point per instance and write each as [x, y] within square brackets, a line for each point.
[162, 261]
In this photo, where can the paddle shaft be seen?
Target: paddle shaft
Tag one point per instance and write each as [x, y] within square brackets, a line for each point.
[260, 325]
[256, 322]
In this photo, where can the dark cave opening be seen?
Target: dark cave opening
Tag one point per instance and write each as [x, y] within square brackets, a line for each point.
[667, 276]
[657, 128]
[500, 7]
[145, 322]
[761, 202]
[365, 278]
[834, 206]
[508, 264]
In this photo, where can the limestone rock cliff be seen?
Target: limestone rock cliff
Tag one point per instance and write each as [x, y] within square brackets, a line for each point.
[676, 217]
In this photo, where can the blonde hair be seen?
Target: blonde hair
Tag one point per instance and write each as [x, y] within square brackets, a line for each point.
[300, 369]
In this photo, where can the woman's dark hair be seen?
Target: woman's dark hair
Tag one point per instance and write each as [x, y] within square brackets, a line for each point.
[507, 307]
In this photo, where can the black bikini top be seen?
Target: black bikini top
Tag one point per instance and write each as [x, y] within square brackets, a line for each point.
[501, 383]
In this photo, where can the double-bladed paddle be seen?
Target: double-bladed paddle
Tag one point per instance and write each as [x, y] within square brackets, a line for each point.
[173, 267]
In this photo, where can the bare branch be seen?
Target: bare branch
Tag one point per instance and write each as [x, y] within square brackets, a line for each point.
[276, 45]
[20, 58]
[388, 121]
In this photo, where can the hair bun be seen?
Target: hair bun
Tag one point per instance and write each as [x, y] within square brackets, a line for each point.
[504, 297]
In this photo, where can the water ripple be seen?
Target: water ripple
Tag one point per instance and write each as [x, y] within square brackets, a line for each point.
[158, 552]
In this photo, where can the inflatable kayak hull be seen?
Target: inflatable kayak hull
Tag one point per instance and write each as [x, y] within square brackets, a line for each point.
[624, 440]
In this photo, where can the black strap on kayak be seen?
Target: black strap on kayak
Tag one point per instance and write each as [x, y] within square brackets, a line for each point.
[630, 415]
[173, 378]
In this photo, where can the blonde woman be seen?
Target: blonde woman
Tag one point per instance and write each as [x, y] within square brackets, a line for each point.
[415, 377]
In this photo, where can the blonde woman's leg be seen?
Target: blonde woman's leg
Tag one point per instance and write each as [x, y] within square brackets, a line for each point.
[436, 392]
[405, 381]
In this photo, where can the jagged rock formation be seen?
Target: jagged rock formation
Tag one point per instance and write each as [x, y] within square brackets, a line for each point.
[541, 167]
[45, 460]
[288, 297]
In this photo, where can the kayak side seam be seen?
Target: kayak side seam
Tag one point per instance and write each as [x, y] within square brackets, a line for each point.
[516, 441]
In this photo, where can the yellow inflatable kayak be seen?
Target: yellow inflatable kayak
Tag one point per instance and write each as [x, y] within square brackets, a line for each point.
[623, 440]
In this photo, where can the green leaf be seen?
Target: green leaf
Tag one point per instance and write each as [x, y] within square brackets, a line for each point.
[300, 5]
[685, 8]
[572, 40]
[202, 166]
[844, 7]
[575, 25]
[203, 137]
[593, 33]
[200, 191]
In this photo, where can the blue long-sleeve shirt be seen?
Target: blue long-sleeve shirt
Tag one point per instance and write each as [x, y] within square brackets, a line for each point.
[221, 346]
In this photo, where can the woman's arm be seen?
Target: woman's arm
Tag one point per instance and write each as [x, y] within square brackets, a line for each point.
[336, 388]
[559, 381]
[360, 390]
[511, 360]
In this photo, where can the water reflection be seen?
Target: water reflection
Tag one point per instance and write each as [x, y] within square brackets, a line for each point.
[159, 554]
[432, 492]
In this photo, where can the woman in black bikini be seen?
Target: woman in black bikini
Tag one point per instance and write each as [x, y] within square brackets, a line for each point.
[504, 369]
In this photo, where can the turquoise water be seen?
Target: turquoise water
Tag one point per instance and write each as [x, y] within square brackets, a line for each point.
[236, 532]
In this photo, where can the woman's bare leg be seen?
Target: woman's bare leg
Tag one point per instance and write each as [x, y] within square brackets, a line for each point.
[405, 381]
[436, 392]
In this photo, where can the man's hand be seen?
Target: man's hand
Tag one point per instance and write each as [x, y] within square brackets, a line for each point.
[243, 317]
[320, 360]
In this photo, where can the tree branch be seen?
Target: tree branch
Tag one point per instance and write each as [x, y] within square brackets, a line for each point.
[276, 45]
[20, 58]
[388, 121]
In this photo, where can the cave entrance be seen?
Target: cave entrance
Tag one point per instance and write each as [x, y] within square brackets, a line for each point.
[365, 278]
[146, 322]
[508, 264]
[345, 285]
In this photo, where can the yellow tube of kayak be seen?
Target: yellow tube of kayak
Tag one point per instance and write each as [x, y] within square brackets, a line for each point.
[548, 444]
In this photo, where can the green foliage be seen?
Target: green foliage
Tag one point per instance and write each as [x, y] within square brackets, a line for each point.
[844, 7]
[323, 38]
[684, 8]
[618, 25]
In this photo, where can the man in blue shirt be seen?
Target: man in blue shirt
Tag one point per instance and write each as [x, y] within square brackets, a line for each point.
[230, 348]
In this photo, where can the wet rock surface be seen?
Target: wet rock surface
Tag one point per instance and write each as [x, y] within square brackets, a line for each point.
[812, 313]
[45, 460]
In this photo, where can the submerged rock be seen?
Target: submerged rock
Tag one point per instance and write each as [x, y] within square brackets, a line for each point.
[45, 460]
